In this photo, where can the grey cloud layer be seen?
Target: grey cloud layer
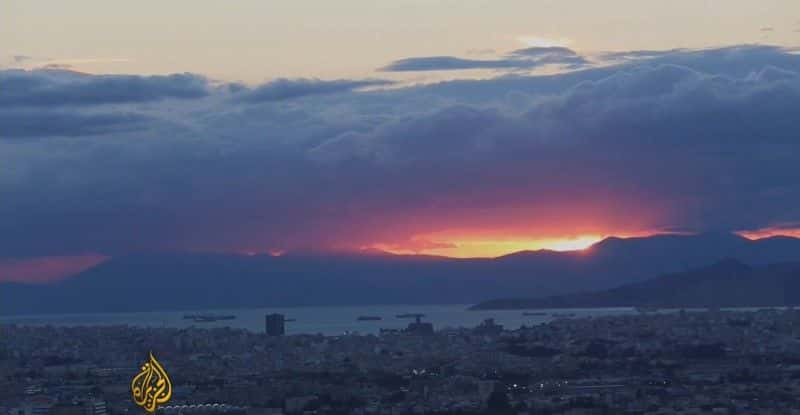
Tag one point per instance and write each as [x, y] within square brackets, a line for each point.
[62, 88]
[519, 59]
[48, 103]
[704, 139]
[28, 124]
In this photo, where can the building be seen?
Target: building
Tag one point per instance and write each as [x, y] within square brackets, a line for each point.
[203, 409]
[36, 405]
[96, 407]
[418, 327]
[297, 404]
[274, 325]
[489, 327]
[485, 389]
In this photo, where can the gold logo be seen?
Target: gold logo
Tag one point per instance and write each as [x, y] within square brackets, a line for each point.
[151, 387]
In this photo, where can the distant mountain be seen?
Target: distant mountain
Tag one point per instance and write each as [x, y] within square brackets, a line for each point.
[728, 283]
[173, 281]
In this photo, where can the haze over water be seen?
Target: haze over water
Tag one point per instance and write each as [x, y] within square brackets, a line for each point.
[328, 321]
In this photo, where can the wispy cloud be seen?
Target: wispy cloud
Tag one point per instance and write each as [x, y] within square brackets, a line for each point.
[83, 61]
[543, 41]
[23, 61]
[286, 89]
[528, 58]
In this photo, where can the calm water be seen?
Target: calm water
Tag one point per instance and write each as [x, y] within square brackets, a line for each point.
[311, 320]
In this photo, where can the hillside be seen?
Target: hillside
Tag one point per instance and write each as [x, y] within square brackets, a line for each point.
[728, 283]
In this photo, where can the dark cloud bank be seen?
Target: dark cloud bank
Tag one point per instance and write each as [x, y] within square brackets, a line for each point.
[699, 140]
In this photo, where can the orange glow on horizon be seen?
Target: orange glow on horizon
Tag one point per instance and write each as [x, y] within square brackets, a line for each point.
[770, 232]
[493, 247]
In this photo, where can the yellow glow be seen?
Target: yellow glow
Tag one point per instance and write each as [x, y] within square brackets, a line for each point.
[576, 244]
[490, 248]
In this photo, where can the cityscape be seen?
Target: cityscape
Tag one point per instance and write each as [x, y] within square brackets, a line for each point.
[399, 207]
[655, 362]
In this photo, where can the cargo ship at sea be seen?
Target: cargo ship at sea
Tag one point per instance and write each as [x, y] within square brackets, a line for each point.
[410, 315]
[369, 318]
[206, 318]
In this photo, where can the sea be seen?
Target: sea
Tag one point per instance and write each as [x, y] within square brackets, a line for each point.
[328, 321]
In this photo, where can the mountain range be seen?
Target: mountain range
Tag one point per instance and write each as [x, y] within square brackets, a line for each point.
[176, 281]
[728, 283]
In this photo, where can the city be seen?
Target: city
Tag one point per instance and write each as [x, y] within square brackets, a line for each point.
[399, 207]
[722, 362]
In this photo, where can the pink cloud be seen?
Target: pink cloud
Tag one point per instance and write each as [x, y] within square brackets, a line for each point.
[46, 269]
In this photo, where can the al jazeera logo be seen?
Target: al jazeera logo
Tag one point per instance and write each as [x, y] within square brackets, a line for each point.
[151, 387]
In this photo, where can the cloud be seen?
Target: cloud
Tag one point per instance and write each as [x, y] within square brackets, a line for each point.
[694, 140]
[554, 53]
[641, 54]
[57, 66]
[50, 103]
[286, 89]
[450, 63]
[413, 245]
[53, 88]
[739, 60]
[27, 124]
[46, 268]
[527, 58]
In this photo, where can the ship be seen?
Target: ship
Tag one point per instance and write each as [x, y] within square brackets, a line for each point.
[369, 318]
[534, 313]
[563, 315]
[647, 309]
[410, 315]
[207, 318]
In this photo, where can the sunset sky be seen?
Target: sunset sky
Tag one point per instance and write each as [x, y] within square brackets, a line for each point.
[449, 127]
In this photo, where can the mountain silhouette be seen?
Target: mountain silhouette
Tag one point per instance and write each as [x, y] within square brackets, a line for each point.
[728, 283]
[174, 281]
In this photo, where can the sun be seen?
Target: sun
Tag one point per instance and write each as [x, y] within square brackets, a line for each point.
[571, 244]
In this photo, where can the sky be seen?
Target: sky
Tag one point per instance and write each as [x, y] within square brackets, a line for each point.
[255, 41]
[456, 128]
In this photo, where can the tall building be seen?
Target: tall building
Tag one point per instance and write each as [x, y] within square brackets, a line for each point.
[418, 327]
[96, 407]
[485, 389]
[489, 327]
[274, 325]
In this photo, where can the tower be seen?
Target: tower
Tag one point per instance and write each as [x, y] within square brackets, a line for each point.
[274, 325]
